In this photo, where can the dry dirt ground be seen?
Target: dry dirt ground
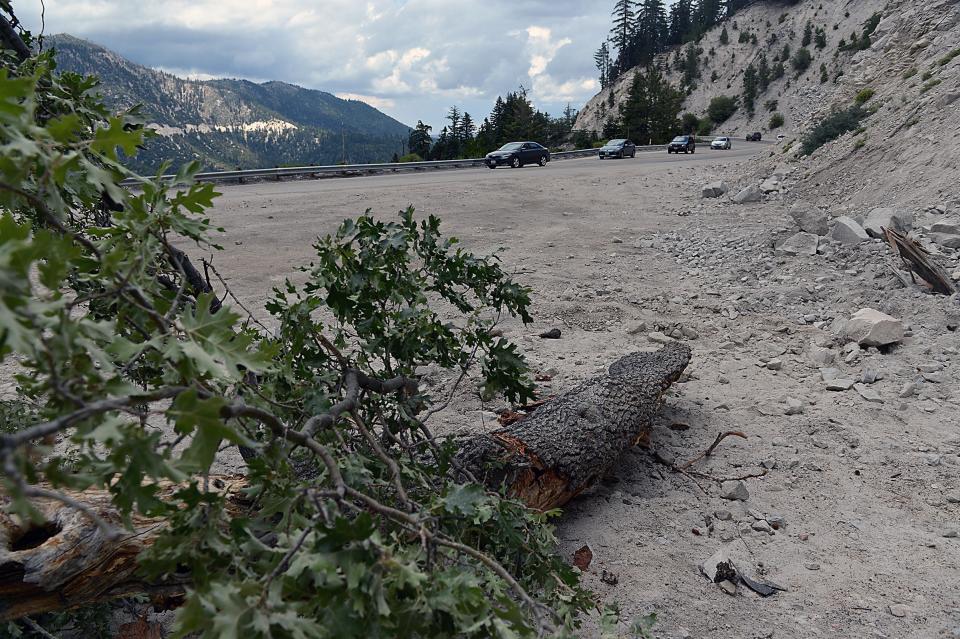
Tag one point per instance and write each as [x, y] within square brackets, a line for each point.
[618, 251]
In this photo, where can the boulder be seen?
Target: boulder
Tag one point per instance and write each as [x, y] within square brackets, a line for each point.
[799, 244]
[869, 327]
[887, 218]
[714, 189]
[847, 231]
[747, 195]
[947, 227]
[810, 219]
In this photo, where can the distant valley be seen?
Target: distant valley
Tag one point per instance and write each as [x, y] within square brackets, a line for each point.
[228, 124]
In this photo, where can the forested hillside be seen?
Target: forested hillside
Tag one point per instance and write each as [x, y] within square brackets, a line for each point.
[235, 123]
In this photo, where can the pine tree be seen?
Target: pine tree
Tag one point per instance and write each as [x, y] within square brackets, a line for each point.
[763, 72]
[604, 64]
[651, 113]
[807, 35]
[724, 37]
[750, 87]
[681, 22]
[467, 128]
[651, 31]
[420, 139]
[621, 35]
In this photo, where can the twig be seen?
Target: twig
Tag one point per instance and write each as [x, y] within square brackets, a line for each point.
[709, 451]
[37, 628]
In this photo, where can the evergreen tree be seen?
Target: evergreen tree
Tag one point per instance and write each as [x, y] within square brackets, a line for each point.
[708, 14]
[763, 72]
[807, 35]
[691, 66]
[420, 140]
[650, 32]
[604, 64]
[621, 35]
[724, 37]
[751, 86]
[681, 21]
[651, 113]
[467, 128]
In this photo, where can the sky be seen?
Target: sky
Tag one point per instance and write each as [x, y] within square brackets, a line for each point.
[412, 59]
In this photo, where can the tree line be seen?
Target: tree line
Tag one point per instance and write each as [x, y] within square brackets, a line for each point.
[513, 118]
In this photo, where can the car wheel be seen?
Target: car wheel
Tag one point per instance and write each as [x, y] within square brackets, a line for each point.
[491, 166]
[515, 163]
[543, 160]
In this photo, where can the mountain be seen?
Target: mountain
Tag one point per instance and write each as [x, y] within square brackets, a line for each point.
[226, 124]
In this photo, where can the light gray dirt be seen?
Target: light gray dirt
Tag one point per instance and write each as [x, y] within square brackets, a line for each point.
[618, 251]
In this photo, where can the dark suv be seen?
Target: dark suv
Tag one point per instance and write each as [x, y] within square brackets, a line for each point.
[683, 143]
[516, 154]
[754, 137]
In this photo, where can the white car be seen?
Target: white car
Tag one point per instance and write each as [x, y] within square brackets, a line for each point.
[721, 143]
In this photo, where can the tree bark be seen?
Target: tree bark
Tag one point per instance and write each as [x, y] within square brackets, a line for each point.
[564, 447]
[545, 459]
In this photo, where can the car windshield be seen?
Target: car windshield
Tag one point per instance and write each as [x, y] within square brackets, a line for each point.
[680, 138]
[616, 142]
[513, 146]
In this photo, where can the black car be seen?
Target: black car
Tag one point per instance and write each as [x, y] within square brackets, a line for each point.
[618, 149]
[683, 143]
[754, 137]
[516, 154]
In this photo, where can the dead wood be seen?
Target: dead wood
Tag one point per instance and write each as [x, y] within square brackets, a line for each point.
[551, 456]
[919, 262]
[546, 459]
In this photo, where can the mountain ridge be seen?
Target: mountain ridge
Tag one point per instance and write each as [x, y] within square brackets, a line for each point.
[234, 123]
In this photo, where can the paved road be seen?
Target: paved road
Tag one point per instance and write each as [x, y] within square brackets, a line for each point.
[568, 208]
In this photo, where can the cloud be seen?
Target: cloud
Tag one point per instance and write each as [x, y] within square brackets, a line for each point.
[412, 58]
[375, 102]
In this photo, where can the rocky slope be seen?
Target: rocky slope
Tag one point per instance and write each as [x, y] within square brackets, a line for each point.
[904, 152]
[231, 123]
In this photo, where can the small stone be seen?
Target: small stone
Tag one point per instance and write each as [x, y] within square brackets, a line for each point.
[750, 194]
[953, 533]
[934, 378]
[728, 587]
[899, 610]
[777, 522]
[794, 406]
[762, 526]
[734, 491]
[638, 328]
[870, 376]
[909, 390]
[775, 364]
[810, 220]
[553, 333]
[799, 244]
[723, 515]
[714, 190]
[811, 566]
[718, 567]
[659, 338]
[841, 384]
[868, 394]
[931, 367]
[830, 374]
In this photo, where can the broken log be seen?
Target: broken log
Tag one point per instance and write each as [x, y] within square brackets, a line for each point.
[919, 262]
[68, 561]
[545, 459]
[554, 454]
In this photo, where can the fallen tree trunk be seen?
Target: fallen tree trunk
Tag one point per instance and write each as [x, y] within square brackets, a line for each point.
[68, 561]
[564, 447]
[545, 459]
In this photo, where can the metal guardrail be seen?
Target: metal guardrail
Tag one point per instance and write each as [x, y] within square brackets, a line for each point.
[352, 170]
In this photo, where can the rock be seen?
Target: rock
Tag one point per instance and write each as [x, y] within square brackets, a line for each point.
[553, 333]
[719, 567]
[777, 522]
[894, 219]
[762, 526]
[949, 227]
[840, 384]
[734, 491]
[726, 515]
[659, 338]
[822, 356]
[794, 406]
[728, 587]
[869, 327]
[848, 232]
[770, 185]
[830, 374]
[775, 364]
[748, 195]
[909, 390]
[636, 329]
[714, 190]
[810, 220]
[945, 240]
[899, 610]
[868, 394]
[952, 533]
[799, 244]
